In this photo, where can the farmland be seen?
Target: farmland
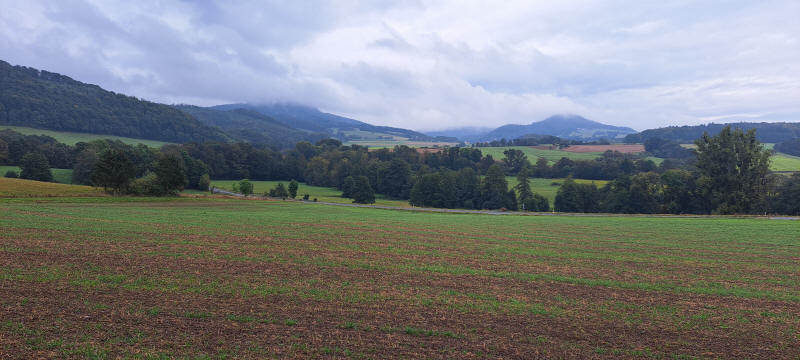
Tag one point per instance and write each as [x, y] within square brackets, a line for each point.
[216, 278]
[314, 192]
[551, 155]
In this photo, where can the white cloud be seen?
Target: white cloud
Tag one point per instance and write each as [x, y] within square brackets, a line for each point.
[428, 65]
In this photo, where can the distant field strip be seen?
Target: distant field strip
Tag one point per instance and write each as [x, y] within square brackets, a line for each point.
[551, 155]
[203, 278]
[71, 138]
[63, 176]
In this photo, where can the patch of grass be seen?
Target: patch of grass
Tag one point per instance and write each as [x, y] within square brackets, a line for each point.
[552, 156]
[323, 194]
[197, 315]
[71, 138]
[29, 188]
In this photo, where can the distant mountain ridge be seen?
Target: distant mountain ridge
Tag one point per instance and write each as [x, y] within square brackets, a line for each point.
[252, 126]
[45, 100]
[765, 132]
[310, 119]
[572, 127]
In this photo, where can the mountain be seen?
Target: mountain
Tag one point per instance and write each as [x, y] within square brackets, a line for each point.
[45, 100]
[465, 133]
[312, 120]
[564, 126]
[251, 126]
[765, 132]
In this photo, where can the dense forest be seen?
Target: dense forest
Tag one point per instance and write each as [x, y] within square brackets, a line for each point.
[252, 126]
[46, 100]
[727, 174]
[765, 132]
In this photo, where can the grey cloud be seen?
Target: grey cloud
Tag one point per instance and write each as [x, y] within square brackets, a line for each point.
[431, 65]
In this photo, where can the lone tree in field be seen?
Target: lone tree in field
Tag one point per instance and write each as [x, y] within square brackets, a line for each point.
[362, 192]
[293, 186]
[733, 169]
[245, 187]
[113, 171]
[35, 167]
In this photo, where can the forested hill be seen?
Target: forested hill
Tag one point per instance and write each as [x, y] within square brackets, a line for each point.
[312, 120]
[46, 100]
[765, 132]
[252, 126]
[564, 126]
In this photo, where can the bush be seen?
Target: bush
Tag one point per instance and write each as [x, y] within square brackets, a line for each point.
[305, 197]
[147, 185]
[203, 183]
[12, 174]
[279, 191]
[246, 187]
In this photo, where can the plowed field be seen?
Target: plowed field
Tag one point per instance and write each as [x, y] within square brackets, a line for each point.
[218, 278]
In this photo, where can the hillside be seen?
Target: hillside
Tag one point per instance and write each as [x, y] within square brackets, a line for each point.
[765, 132]
[312, 120]
[251, 126]
[44, 100]
[564, 126]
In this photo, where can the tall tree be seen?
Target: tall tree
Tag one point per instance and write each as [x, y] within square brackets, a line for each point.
[515, 160]
[293, 188]
[363, 193]
[171, 172]
[787, 199]
[494, 190]
[733, 169]
[35, 167]
[395, 180]
[83, 167]
[113, 171]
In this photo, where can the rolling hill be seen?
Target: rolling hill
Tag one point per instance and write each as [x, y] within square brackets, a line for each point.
[572, 127]
[44, 100]
[252, 126]
[765, 132]
[310, 119]
[564, 126]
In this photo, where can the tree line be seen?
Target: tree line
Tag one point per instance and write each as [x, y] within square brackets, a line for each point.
[726, 174]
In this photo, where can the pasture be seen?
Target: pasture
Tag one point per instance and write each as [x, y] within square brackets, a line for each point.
[324, 194]
[63, 176]
[221, 278]
[72, 138]
[533, 154]
[785, 163]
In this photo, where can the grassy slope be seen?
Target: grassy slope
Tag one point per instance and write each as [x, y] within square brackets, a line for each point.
[549, 187]
[117, 276]
[71, 138]
[533, 154]
[321, 193]
[63, 176]
[30, 188]
[785, 162]
[543, 187]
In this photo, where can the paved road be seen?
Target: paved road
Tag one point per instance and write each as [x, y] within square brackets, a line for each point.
[495, 212]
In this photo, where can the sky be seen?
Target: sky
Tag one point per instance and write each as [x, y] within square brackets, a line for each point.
[431, 65]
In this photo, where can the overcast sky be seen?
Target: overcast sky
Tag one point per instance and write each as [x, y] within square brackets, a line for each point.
[429, 65]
